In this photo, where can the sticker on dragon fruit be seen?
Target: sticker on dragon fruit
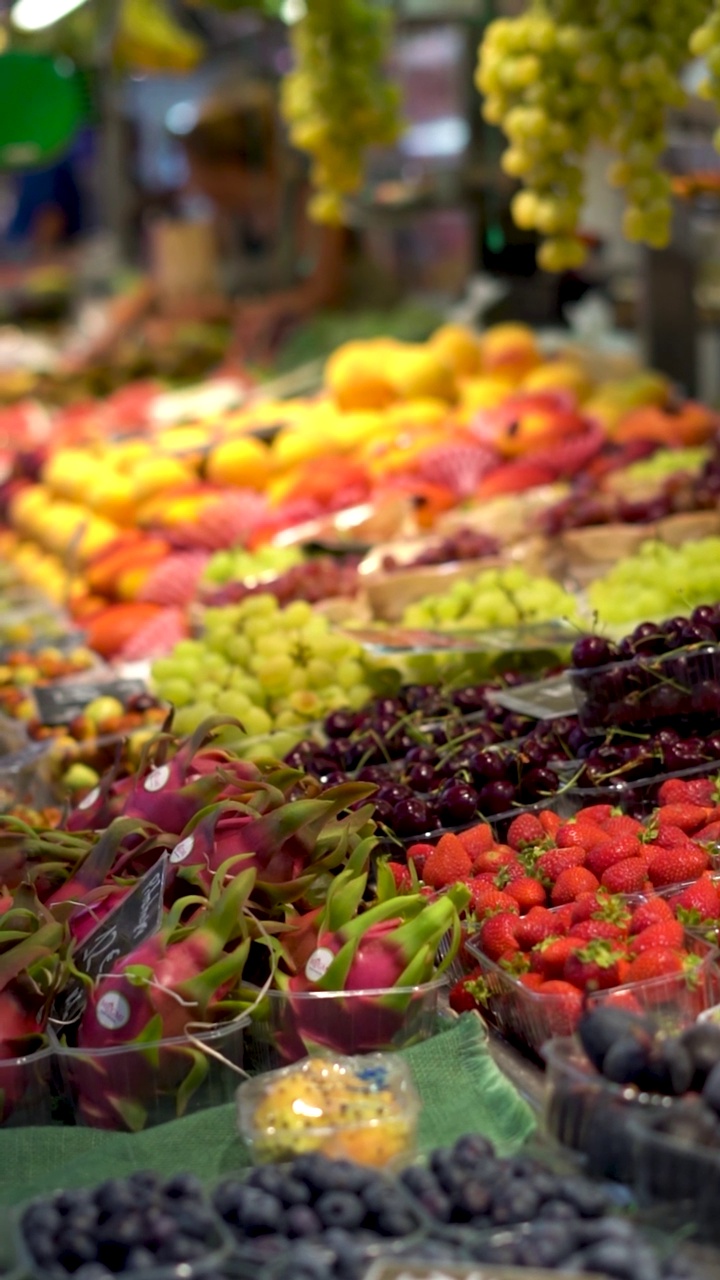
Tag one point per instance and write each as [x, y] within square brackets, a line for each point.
[183, 849]
[113, 1011]
[158, 778]
[318, 964]
[90, 799]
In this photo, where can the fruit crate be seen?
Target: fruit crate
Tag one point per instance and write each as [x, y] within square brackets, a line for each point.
[589, 1114]
[287, 1026]
[532, 1019]
[645, 689]
[135, 1087]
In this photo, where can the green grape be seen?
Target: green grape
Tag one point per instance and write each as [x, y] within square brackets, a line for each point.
[497, 598]
[657, 582]
[337, 101]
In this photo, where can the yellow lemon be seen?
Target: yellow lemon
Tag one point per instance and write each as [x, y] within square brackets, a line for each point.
[459, 348]
[240, 461]
[153, 475]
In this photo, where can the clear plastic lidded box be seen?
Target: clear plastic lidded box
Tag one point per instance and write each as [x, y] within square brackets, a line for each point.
[363, 1109]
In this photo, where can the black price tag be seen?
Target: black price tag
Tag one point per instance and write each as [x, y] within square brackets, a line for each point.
[130, 924]
[61, 703]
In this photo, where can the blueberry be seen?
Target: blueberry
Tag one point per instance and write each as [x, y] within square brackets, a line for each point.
[437, 1204]
[419, 1180]
[114, 1196]
[301, 1220]
[558, 1211]
[40, 1217]
[197, 1222]
[180, 1249]
[183, 1186]
[145, 1182]
[589, 1200]
[395, 1222]
[340, 1209]
[711, 1089]
[158, 1227]
[67, 1201]
[702, 1042]
[614, 1258]
[473, 1200]
[380, 1194]
[601, 1028]
[74, 1249]
[616, 1229]
[473, 1149]
[140, 1259]
[268, 1178]
[291, 1191]
[514, 1204]
[545, 1246]
[261, 1213]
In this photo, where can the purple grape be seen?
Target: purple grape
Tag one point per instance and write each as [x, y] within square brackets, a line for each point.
[472, 699]
[373, 773]
[489, 766]
[422, 777]
[410, 817]
[592, 651]
[392, 792]
[535, 752]
[516, 726]
[539, 783]
[340, 724]
[421, 755]
[458, 804]
[383, 813]
[496, 797]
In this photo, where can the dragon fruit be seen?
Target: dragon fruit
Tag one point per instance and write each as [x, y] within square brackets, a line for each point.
[373, 958]
[288, 847]
[30, 975]
[181, 976]
[42, 858]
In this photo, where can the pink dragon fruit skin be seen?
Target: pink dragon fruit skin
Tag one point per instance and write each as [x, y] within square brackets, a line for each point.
[89, 917]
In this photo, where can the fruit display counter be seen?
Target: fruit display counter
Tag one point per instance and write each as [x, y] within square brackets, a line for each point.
[263, 834]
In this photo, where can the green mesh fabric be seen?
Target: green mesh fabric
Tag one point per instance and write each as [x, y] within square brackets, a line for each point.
[461, 1088]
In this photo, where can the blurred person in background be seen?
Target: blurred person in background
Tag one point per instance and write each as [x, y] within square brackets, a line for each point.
[48, 214]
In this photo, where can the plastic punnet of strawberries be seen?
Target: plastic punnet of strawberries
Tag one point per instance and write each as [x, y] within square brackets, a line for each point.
[600, 903]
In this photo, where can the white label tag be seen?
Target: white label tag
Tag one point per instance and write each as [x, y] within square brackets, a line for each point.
[318, 964]
[90, 798]
[113, 1011]
[157, 779]
[183, 849]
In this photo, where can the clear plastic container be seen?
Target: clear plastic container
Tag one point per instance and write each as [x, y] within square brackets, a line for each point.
[25, 1089]
[669, 1169]
[359, 1109]
[134, 1087]
[287, 1026]
[532, 1018]
[638, 797]
[26, 778]
[642, 690]
[589, 1114]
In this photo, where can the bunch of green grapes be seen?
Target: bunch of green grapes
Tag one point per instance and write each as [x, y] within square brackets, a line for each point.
[705, 43]
[572, 72]
[658, 582]
[337, 101]
[275, 670]
[496, 598]
[527, 74]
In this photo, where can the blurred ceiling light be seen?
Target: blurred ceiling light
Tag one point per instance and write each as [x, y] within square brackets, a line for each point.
[182, 118]
[34, 15]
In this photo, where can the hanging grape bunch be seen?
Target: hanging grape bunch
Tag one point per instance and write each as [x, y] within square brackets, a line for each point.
[568, 73]
[337, 101]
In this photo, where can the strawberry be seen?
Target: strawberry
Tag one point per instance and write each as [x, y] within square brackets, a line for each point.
[656, 962]
[622, 825]
[688, 791]
[550, 957]
[492, 860]
[563, 918]
[540, 923]
[562, 1006]
[550, 822]
[527, 892]
[448, 863]
[623, 1000]
[674, 866]
[688, 817]
[628, 876]
[401, 876]
[497, 936]
[487, 900]
[533, 981]
[418, 854]
[598, 813]
[580, 835]
[654, 911]
[467, 993]
[508, 874]
[584, 907]
[709, 834]
[670, 837]
[571, 883]
[477, 839]
[610, 851]
[593, 966]
[525, 830]
[699, 901]
[666, 933]
[590, 929]
[555, 861]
